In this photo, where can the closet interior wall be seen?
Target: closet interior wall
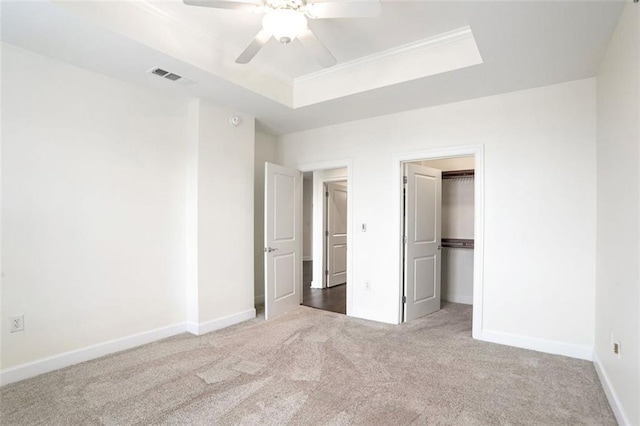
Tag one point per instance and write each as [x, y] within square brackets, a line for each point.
[457, 228]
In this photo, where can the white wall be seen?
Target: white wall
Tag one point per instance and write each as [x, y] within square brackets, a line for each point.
[539, 148]
[127, 215]
[93, 214]
[458, 208]
[457, 222]
[457, 275]
[265, 151]
[225, 216]
[618, 211]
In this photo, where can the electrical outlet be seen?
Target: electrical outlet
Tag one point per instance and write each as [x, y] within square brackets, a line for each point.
[16, 323]
[367, 285]
[617, 348]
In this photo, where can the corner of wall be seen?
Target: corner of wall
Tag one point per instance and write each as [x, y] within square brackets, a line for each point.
[610, 392]
[583, 352]
[617, 308]
[192, 210]
[199, 329]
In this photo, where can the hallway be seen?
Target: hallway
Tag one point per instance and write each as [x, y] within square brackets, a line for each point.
[332, 299]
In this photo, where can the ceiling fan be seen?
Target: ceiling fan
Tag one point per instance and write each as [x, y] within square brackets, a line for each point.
[286, 20]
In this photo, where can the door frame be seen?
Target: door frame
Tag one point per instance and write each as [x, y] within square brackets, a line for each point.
[318, 243]
[319, 248]
[477, 152]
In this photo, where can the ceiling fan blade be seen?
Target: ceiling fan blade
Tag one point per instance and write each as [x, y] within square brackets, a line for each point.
[344, 9]
[254, 47]
[318, 50]
[247, 5]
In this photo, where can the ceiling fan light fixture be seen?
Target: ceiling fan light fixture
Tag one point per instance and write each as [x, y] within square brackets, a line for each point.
[284, 24]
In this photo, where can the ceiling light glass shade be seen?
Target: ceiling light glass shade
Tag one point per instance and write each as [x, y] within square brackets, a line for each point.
[284, 24]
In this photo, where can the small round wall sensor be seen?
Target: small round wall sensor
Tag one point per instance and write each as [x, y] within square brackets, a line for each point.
[234, 120]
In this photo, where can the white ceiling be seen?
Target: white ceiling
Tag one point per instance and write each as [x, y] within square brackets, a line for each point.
[522, 45]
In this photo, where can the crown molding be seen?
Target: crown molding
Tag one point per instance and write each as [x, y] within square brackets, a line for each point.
[434, 41]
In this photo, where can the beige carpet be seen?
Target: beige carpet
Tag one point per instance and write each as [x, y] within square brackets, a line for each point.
[311, 367]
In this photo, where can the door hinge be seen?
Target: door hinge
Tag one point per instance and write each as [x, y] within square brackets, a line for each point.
[326, 233]
[404, 299]
[326, 194]
[404, 239]
[326, 272]
[405, 180]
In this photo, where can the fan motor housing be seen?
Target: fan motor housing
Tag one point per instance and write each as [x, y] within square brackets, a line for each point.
[285, 4]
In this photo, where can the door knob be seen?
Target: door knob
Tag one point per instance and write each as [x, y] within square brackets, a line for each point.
[269, 249]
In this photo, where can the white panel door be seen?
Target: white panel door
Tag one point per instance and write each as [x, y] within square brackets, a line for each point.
[283, 239]
[336, 233]
[422, 232]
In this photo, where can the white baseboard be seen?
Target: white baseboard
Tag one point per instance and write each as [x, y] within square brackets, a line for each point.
[315, 286]
[192, 327]
[541, 345]
[458, 298]
[609, 391]
[216, 324]
[307, 258]
[376, 316]
[56, 362]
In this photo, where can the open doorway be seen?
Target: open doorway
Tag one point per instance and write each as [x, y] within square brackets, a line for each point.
[325, 220]
[438, 212]
[440, 209]
[283, 233]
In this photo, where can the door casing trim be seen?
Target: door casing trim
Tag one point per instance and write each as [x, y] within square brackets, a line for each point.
[477, 152]
[338, 164]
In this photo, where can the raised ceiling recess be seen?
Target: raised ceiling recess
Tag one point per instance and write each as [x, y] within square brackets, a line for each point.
[389, 55]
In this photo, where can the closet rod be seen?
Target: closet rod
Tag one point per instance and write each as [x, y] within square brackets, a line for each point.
[457, 243]
[456, 174]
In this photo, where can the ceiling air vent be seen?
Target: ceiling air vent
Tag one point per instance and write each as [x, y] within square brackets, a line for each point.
[172, 76]
[159, 71]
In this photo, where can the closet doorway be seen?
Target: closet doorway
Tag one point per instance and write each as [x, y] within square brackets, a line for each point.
[440, 227]
[438, 203]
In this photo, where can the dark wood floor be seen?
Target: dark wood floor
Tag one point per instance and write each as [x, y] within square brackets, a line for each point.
[332, 299]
